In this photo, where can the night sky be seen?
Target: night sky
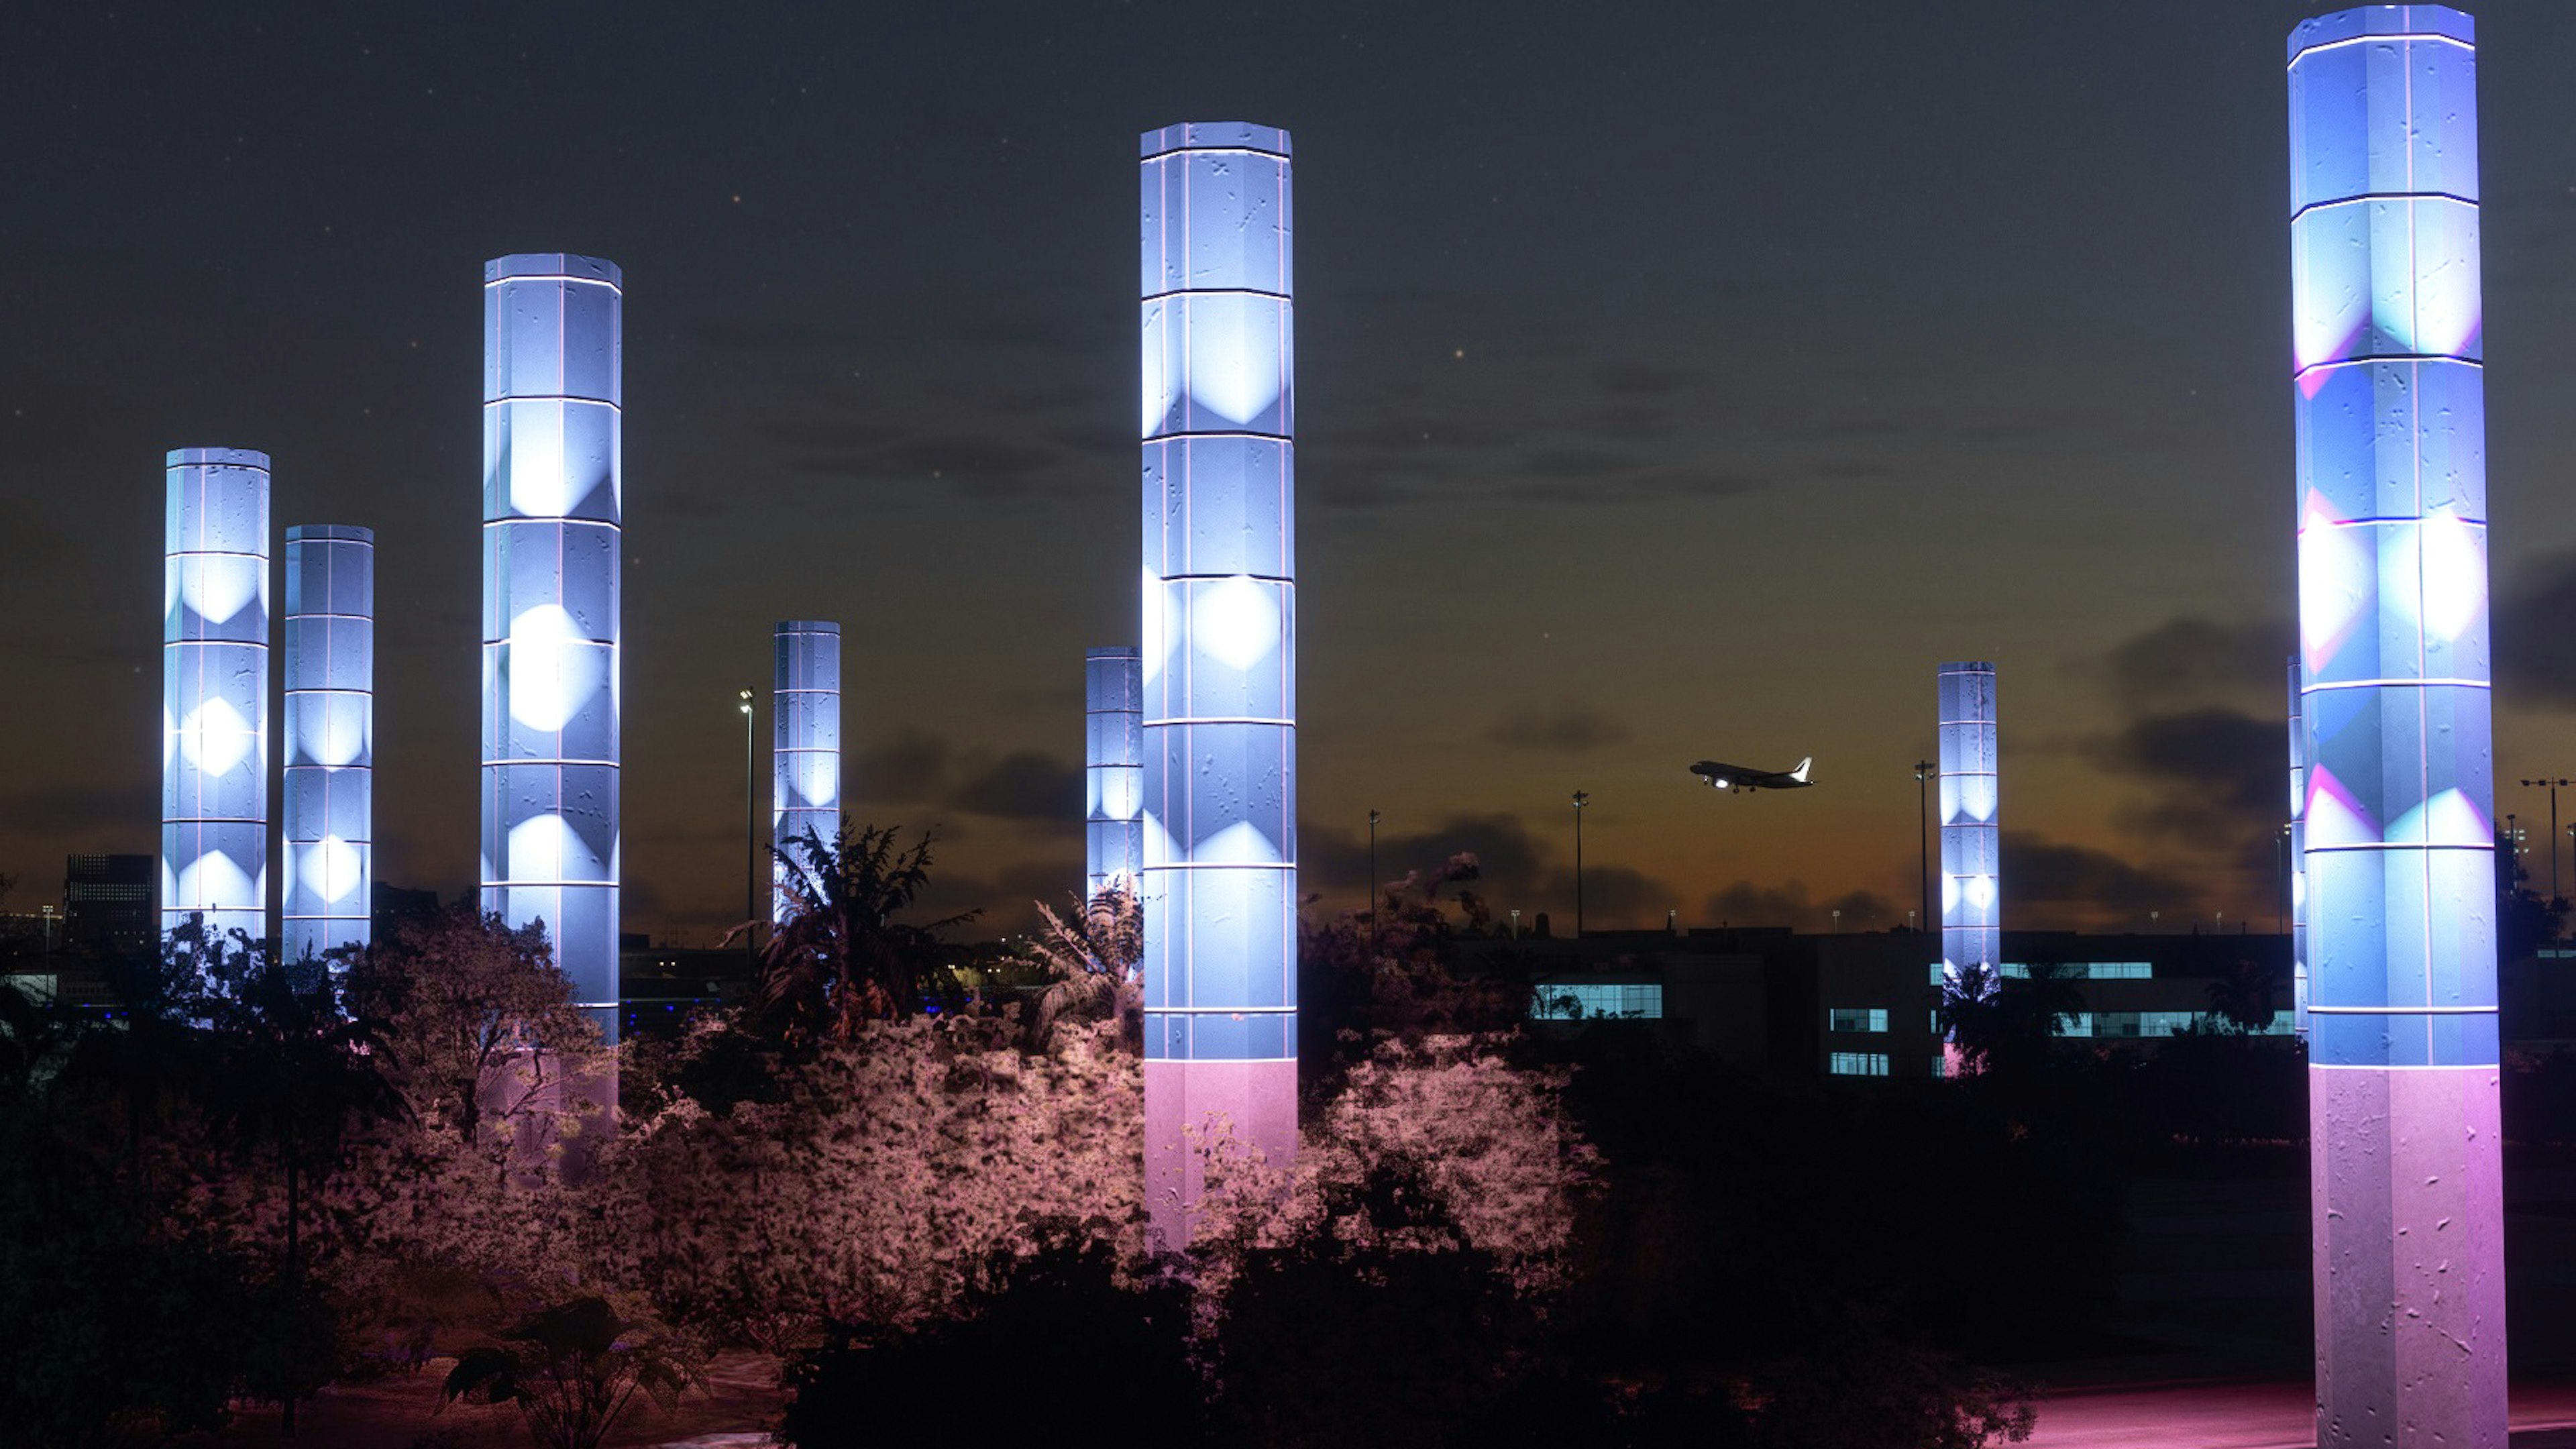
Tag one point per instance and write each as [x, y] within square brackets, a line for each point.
[1675, 382]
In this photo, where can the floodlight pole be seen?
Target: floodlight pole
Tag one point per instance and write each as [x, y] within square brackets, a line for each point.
[1924, 770]
[2552, 787]
[1581, 799]
[1376, 888]
[750, 834]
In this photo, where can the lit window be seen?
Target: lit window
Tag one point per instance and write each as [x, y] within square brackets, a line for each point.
[1598, 1001]
[1857, 1064]
[1856, 1018]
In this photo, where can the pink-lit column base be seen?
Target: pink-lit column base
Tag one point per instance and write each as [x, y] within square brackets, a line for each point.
[2406, 1205]
[1192, 1107]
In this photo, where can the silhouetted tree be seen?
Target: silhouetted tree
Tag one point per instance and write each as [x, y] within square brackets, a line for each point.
[840, 958]
[1065, 1329]
[292, 1074]
[574, 1368]
[1092, 969]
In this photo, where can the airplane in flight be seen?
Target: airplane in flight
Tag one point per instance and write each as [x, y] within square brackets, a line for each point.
[1737, 778]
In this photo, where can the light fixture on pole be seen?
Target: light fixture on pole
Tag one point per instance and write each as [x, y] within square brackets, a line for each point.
[750, 831]
[1581, 799]
[1376, 887]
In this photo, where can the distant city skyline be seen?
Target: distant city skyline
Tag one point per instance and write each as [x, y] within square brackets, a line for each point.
[1663, 381]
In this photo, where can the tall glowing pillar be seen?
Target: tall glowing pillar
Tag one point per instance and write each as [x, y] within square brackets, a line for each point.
[214, 690]
[552, 430]
[1219, 655]
[328, 738]
[2392, 526]
[2298, 833]
[1971, 825]
[804, 747]
[1113, 766]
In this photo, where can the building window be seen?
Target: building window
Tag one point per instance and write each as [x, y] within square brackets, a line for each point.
[1598, 1001]
[1856, 1018]
[1857, 1064]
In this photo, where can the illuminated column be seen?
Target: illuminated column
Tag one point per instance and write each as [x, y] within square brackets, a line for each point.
[1971, 828]
[2298, 830]
[1113, 766]
[328, 736]
[804, 746]
[552, 430]
[214, 690]
[1218, 666]
[2391, 508]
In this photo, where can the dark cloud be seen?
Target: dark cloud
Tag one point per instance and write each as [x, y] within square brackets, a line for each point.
[1571, 727]
[1747, 904]
[2535, 649]
[768, 335]
[908, 769]
[1852, 468]
[2218, 779]
[1023, 785]
[1637, 379]
[971, 456]
[1577, 463]
[2046, 873]
[2188, 660]
[1656, 487]
[1335, 861]
[1613, 896]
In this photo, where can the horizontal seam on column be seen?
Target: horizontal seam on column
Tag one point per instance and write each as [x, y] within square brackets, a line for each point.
[618, 288]
[2358, 197]
[2404, 1066]
[1288, 580]
[555, 518]
[556, 884]
[1217, 433]
[2334, 362]
[1223, 865]
[184, 553]
[2401, 1010]
[2364, 845]
[1218, 151]
[1215, 292]
[316, 614]
[555, 397]
[2428, 682]
[1152, 1010]
[2377, 39]
[1200, 719]
[215, 644]
[551, 760]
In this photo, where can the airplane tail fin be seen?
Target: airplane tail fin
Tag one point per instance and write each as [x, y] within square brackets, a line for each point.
[1800, 774]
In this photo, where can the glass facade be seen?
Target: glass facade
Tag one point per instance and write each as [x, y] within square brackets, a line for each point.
[1597, 1001]
[1856, 1018]
[1113, 770]
[2397, 794]
[328, 737]
[1217, 662]
[553, 515]
[214, 690]
[804, 746]
[1857, 1064]
[1971, 826]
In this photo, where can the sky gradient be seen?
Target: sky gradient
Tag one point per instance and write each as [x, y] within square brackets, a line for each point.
[1676, 382]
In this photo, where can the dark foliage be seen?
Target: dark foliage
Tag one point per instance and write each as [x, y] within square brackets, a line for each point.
[1065, 1334]
[841, 957]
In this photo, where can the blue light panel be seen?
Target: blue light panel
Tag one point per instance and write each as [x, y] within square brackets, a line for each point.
[805, 745]
[328, 738]
[1971, 824]
[1113, 770]
[552, 515]
[214, 690]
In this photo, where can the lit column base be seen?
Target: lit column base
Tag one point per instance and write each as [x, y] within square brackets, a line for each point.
[2406, 1204]
[1257, 1101]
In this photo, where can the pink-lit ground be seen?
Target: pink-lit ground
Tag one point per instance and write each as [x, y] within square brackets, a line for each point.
[2250, 1416]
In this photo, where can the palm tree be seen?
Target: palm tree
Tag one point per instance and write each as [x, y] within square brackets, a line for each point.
[293, 1074]
[572, 1369]
[840, 958]
[1093, 962]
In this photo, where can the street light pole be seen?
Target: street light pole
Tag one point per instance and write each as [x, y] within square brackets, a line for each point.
[2552, 786]
[1924, 770]
[750, 834]
[1376, 887]
[1581, 799]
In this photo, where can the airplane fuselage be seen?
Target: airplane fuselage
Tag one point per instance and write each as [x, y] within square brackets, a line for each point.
[1736, 779]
